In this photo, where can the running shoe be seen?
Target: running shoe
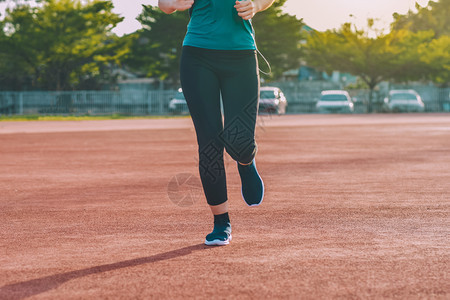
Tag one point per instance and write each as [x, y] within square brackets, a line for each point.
[252, 185]
[220, 236]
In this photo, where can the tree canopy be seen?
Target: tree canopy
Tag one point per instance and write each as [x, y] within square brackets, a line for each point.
[433, 16]
[434, 55]
[156, 48]
[353, 51]
[60, 44]
[412, 50]
[278, 37]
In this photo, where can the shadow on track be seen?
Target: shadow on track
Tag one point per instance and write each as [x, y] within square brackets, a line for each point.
[37, 286]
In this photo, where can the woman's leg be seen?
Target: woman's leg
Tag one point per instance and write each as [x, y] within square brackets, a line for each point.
[201, 88]
[240, 90]
[202, 91]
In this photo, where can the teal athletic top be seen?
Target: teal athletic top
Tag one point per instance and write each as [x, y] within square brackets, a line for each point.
[216, 25]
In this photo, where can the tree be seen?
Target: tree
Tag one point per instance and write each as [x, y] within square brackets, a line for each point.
[156, 49]
[61, 44]
[373, 58]
[420, 56]
[436, 56]
[353, 51]
[278, 37]
[433, 16]
[432, 54]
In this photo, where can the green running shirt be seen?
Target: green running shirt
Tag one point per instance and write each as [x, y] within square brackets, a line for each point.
[216, 25]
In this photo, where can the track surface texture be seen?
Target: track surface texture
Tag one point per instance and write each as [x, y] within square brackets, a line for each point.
[355, 207]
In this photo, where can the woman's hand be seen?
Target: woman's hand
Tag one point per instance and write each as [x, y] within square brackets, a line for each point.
[246, 9]
[170, 6]
[182, 4]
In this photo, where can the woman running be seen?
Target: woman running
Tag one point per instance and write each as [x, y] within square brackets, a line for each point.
[219, 61]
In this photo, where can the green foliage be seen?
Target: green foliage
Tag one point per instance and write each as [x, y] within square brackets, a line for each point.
[358, 85]
[417, 48]
[352, 51]
[22, 118]
[426, 40]
[61, 44]
[409, 64]
[278, 37]
[372, 58]
[434, 16]
[156, 49]
[436, 56]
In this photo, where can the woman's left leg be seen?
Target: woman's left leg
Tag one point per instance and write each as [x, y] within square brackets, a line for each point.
[239, 83]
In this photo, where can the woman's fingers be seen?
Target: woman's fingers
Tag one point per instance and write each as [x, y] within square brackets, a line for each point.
[246, 9]
[183, 4]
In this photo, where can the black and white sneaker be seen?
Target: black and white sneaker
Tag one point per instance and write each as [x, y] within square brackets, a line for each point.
[252, 184]
[220, 236]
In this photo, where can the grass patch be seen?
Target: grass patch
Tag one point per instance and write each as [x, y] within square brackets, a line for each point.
[17, 118]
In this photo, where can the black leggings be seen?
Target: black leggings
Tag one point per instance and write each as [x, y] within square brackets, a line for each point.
[205, 75]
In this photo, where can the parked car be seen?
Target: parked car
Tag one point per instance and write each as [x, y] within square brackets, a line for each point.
[272, 100]
[178, 104]
[335, 101]
[404, 101]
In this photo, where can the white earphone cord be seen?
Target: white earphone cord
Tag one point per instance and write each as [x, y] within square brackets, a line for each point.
[259, 52]
[267, 63]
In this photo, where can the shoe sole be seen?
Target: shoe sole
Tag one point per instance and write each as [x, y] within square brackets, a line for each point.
[218, 242]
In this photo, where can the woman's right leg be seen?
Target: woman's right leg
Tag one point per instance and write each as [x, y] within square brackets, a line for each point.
[202, 91]
[201, 88]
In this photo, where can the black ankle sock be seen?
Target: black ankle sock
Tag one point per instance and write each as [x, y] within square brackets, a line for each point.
[222, 219]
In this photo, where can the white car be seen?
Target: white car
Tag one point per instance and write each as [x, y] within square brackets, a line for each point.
[272, 100]
[335, 101]
[404, 101]
[178, 104]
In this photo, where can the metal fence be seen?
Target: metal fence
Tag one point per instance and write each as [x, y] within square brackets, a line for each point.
[301, 99]
[436, 99]
[86, 103]
[303, 96]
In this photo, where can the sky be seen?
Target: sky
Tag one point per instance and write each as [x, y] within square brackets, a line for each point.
[318, 14]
